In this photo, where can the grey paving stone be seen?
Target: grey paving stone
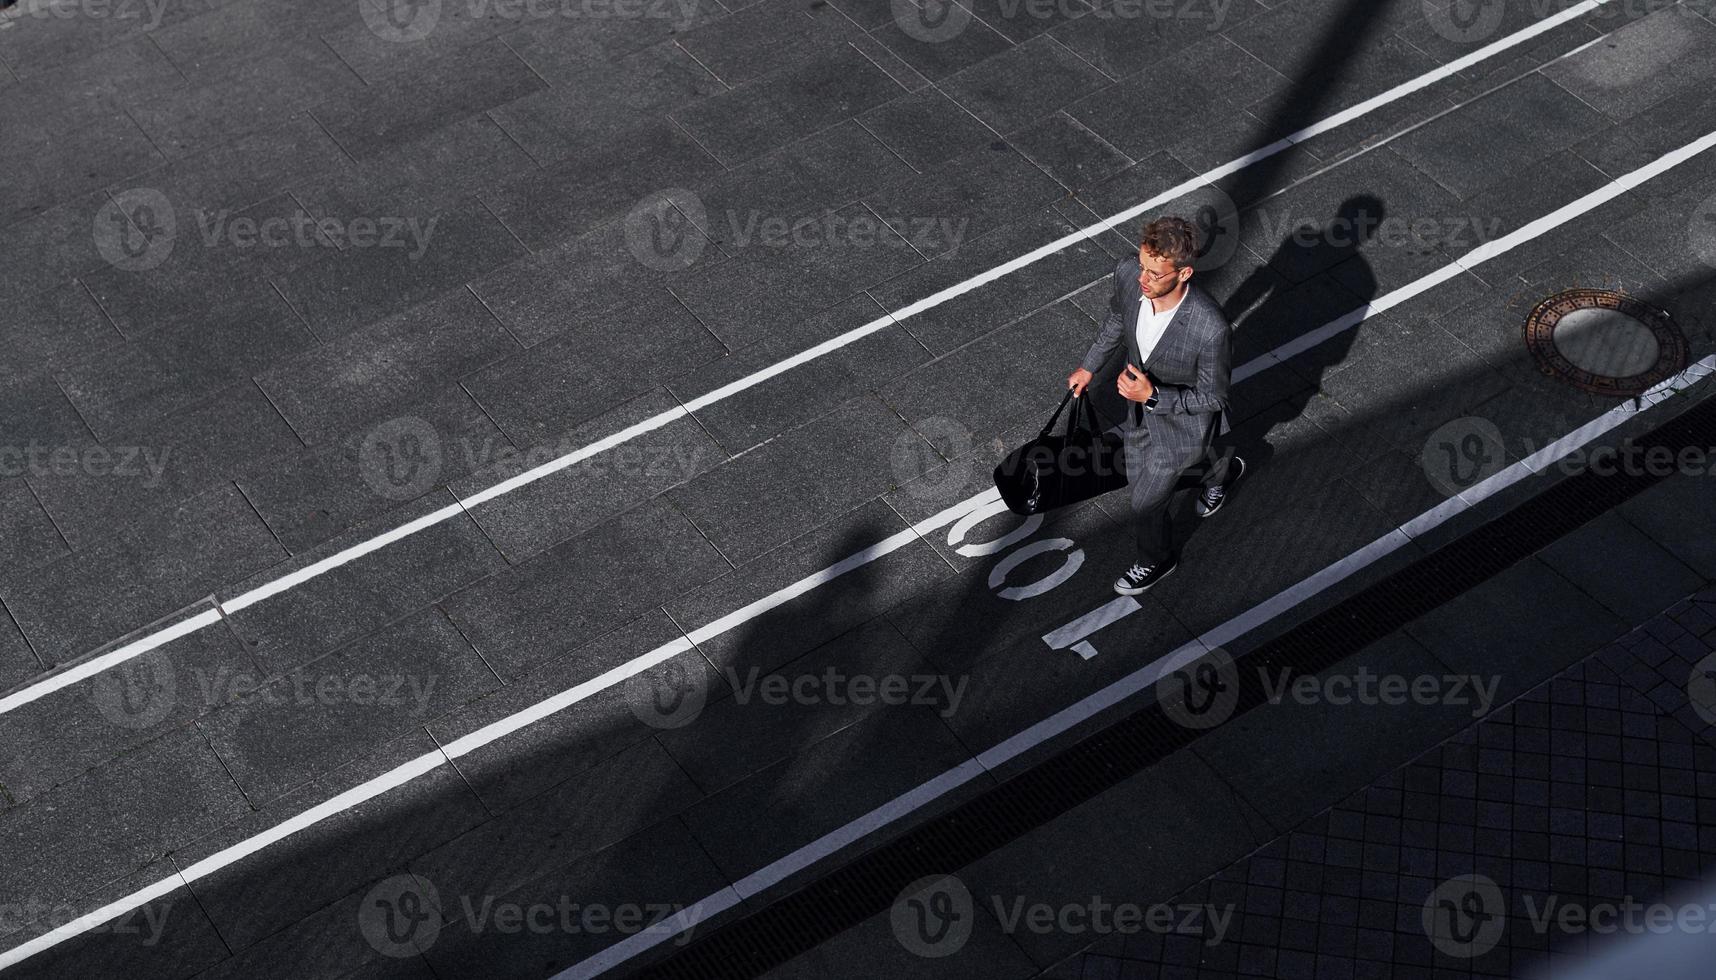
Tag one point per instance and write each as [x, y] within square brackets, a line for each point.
[1499, 134]
[661, 870]
[228, 30]
[308, 497]
[46, 251]
[149, 468]
[1640, 64]
[926, 127]
[85, 725]
[294, 627]
[27, 534]
[38, 414]
[116, 819]
[1520, 199]
[328, 942]
[536, 297]
[822, 787]
[1183, 824]
[214, 265]
[1069, 152]
[1522, 626]
[891, 64]
[310, 719]
[597, 183]
[963, 198]
[1023, 365]
[786, 104]
[533, 517]
[247, 92]
[165, 563]
[1674, 514]
[67, 95]
[622, 796]
[50, 166]
[590, 364]
[467, 156]
[378, 57]
[464, 82]
[279, 885]
[41, 41]
[250, 169]
[341, 385]
[1623, 147]
[1019, 21]
[804, 622]
[54, 326]
[173, 368]
[1622, 568]
[529, 762]
[770, 716]
[1296, 757]
[1023, 84]
[418, 254]
[169, 937]
[800, 480]
[1664, 239]
[1126, 39]
[759, 413]
[758, 38]
[1338, 56]
[583, 587]
[804, 179]
[920, 39]
[603, 102]
[790, 275]
[1312, 227]
[18, 662]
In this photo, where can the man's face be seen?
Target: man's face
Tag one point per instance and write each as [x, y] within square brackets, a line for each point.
[1157, 276]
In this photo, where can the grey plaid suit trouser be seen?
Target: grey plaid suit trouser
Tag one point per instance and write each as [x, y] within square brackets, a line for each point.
[1152, 485]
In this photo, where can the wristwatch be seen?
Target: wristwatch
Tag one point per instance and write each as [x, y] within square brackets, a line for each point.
[1150, 403]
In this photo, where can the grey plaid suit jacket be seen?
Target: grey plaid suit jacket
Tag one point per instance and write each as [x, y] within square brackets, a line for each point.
[1190, 367]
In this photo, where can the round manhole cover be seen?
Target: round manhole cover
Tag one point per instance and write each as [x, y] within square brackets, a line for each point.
[1604, 341]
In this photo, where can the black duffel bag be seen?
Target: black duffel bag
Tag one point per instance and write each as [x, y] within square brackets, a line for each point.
[1053, 471]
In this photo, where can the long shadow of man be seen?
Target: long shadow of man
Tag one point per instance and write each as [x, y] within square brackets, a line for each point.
[1317, 274]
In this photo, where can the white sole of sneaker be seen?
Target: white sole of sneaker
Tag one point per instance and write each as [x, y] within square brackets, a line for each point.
[1125, 590]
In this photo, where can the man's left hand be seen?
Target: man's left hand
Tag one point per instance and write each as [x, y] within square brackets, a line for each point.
[1135, 385]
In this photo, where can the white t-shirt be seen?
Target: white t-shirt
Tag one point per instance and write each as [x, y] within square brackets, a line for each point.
[1151, 327]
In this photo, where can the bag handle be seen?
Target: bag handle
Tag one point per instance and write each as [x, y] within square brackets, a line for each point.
[1058, 409]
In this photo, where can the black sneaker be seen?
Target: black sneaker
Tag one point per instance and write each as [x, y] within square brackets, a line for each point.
[1212, 498]
[1141, 577]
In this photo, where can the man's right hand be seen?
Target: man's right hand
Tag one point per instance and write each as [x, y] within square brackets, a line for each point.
[1078, 380]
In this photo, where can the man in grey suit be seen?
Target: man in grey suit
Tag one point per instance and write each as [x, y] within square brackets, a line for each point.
[1175, 382]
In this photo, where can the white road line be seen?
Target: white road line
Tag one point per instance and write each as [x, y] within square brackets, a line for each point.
[64, 679]
[1114, 693]
[1011, 748]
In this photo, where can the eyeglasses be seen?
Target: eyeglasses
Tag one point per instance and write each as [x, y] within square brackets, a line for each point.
[1155, 277]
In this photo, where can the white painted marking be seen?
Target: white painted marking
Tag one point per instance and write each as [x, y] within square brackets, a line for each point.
[112, 658]
[910, 802]
[998, 574]
[956, 534]
[1099, 618]
[346, 556]
[1114, 693]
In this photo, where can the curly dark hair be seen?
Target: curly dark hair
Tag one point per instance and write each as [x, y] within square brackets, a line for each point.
[1173, 238]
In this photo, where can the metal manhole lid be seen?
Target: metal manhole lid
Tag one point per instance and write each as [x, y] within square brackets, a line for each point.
[1604, 341]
